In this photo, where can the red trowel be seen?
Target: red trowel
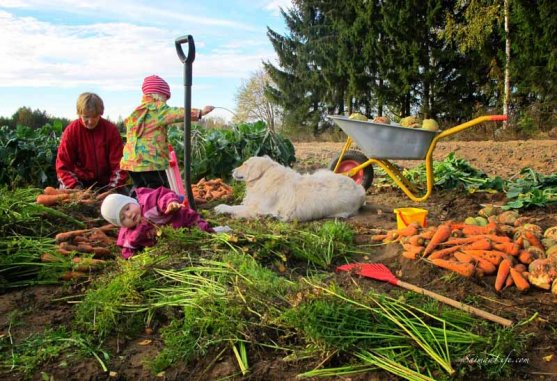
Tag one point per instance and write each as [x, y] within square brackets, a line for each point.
[379, 271]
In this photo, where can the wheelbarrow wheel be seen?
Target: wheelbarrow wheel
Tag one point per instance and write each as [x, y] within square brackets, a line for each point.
[352, 159]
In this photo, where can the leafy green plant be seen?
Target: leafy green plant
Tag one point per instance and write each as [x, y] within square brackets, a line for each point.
[216, 152]
[27, 155]
[531, 189]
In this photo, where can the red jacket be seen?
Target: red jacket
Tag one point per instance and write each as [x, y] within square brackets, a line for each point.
[86, 157]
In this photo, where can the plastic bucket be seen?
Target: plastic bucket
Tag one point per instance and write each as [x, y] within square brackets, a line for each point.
[405, 216]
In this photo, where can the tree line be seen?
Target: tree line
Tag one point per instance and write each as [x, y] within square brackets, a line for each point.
[433, 58]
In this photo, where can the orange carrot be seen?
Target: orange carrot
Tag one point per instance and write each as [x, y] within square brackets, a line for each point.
[428, 233]
[87, 264]
[533, 239]
[463, 257]
[520, 282]
[378, 237]
[442, 233]
[85, 248]
[492, 256]
[464, 269]
[101, 251]
[497, 238]
[462, 240]
[485, 266]
[509, 282]
[66, 236]
[410, 230]
[510, 248]
[480, 244]
[412, 250]
[67, 246]
[490, 228]
[525, 257]
[50, 258]
[520, 268]
[502, 273]
[441, 253]
[71, 275]
[416, 240]
[49, 200]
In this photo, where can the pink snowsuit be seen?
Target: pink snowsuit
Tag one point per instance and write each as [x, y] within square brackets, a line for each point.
[153, 203]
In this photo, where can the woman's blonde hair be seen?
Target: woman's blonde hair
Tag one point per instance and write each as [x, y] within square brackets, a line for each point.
[90, 103]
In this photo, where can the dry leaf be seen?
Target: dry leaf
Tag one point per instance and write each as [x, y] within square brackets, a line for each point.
[145, 342]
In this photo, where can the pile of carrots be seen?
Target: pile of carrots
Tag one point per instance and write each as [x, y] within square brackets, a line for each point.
[210, 190]
[53, 196]
[504, 247]
[90, 249]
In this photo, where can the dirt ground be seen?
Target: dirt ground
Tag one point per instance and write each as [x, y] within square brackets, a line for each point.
[42, 307]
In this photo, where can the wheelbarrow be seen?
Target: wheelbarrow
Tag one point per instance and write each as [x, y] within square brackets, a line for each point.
[383, 142]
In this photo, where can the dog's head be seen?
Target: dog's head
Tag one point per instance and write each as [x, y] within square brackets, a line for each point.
[253, 168]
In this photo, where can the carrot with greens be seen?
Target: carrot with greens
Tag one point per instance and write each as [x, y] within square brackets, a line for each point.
[66, 236]
[502, 273]
[72, 275]
[464, 269]
[50, 200]
[442, 233]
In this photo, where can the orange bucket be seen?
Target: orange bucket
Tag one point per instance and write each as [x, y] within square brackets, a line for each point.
[405, 216]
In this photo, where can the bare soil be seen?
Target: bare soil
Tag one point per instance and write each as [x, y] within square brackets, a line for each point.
[41, 307]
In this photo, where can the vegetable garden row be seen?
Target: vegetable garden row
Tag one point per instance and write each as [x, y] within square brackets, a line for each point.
[264, 300]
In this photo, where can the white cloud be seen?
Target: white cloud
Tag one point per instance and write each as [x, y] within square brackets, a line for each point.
[274, 6]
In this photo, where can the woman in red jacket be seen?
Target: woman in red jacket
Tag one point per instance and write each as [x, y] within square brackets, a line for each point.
[91, 149]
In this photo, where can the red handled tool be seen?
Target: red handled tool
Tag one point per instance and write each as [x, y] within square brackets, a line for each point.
[379, 271]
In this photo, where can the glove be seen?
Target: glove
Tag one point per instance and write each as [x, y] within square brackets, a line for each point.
[222, 229]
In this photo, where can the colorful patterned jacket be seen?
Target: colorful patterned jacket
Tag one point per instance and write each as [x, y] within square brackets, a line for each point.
[146, 146]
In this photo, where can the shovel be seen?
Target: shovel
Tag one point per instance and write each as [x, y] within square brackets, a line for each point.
[187, 60]
[379, 271]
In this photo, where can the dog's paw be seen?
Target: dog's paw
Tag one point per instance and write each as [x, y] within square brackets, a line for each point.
[223, 209]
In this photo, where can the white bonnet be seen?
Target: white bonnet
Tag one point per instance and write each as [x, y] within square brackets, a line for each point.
[112, 206]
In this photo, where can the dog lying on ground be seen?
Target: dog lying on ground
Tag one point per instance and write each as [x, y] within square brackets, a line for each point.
[275, 190]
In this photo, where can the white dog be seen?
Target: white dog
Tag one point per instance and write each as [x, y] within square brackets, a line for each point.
[277, 191]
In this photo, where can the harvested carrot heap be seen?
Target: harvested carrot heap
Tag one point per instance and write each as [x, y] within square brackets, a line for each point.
[502, 244]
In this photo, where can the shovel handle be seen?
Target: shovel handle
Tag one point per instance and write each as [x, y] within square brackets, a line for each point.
[451, 302]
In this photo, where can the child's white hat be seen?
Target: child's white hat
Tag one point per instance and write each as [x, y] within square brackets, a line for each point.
[112, 206]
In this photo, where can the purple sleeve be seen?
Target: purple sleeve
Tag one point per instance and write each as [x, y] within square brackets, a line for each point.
[165, 197]
[131, 240]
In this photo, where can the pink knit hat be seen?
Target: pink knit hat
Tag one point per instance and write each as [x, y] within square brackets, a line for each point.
[155, 84]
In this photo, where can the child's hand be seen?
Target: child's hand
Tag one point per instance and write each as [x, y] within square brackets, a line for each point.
[207, 109]
[173, 207]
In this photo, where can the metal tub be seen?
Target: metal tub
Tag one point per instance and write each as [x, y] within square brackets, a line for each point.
[386, 141]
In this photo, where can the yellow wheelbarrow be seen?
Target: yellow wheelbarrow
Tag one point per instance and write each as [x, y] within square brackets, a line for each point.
[383, 142]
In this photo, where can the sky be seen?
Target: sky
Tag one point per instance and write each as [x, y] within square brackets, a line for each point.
[53, 50]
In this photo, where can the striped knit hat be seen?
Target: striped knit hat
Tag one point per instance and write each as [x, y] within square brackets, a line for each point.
[155, 84]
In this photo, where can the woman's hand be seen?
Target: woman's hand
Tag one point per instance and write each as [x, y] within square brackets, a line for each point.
[173, 207]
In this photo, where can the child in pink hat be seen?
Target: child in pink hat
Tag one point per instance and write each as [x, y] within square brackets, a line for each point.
[146, 153]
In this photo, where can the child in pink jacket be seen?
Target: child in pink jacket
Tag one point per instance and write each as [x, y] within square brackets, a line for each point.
[138, 218]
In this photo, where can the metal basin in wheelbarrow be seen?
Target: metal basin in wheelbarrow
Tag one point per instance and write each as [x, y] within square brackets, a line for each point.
[386, 141]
